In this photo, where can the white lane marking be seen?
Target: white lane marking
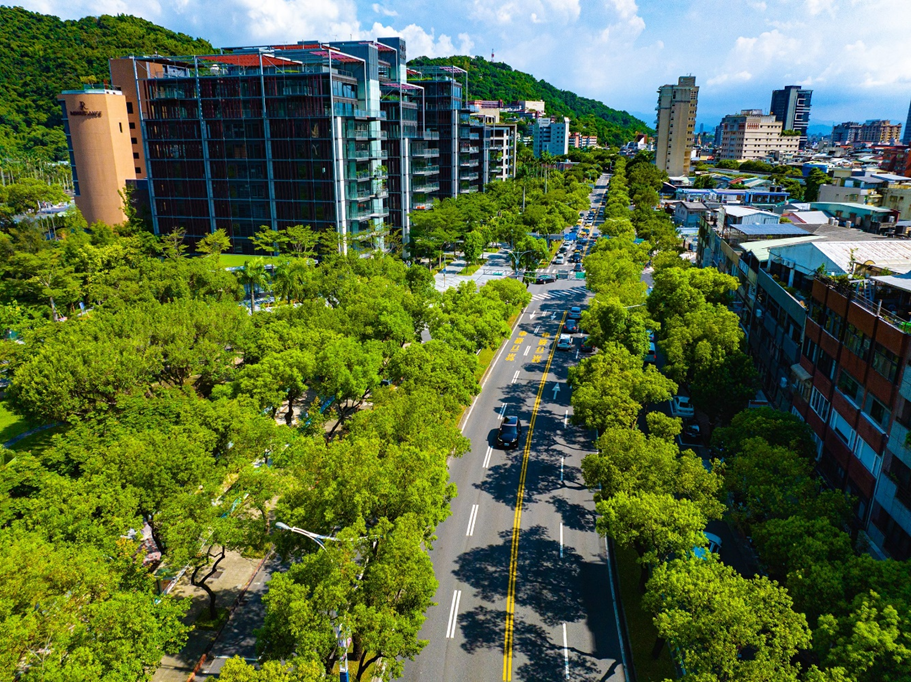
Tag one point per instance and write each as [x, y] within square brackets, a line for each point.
[613, 596]
[577, 353]
[527, 348]
[561, 540]
[453, 614]
[553, 314]
[537, 327]
[487, 457]
[565, 653]
[472, 519]
[534, 312]
[503, 410]
[565, 418]
[561, 467]
[515, 378]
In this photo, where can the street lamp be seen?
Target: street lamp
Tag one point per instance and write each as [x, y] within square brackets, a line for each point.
[340, 639]
[516, 257]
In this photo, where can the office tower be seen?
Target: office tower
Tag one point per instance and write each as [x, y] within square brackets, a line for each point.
[676, 120]
[551, 135]
[906, 138]
[791, 106]
[753, 135]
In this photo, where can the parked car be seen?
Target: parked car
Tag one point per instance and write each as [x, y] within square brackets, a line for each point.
[545, 279]
[682, 407]
[651, 357]
[575, 313]
[565, 342]
[509, 432]
[572, 326]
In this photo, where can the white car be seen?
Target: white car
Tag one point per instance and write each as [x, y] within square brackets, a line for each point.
[559, 260]
[682, 407]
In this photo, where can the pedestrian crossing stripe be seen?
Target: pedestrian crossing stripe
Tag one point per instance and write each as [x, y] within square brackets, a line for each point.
[558, 293]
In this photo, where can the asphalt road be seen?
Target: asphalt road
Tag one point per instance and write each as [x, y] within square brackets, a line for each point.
[525, 586]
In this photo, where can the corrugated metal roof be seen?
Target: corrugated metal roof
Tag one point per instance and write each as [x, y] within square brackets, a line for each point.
[761, 248]
[887, 253]
[783, 229]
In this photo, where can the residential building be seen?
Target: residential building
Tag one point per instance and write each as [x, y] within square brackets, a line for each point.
[676, 119]
[689, 213]
[791, 106]
[880, 132]
[752, 135]
[580, 141]
[848, 132]
[906, 138]
[551, 135]
[502, 145]
[102, 159]
[896, 159]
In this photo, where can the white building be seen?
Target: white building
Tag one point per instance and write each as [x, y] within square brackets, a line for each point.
[551, 135]
[752, 135]
[675, 122]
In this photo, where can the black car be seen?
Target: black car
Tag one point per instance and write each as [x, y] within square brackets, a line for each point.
[578, 267]
[577, 258]
[545, 279]
[571, 327]
[508, 435]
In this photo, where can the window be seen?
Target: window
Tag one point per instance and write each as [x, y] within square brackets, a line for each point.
[810, 349]
[869, 457]
[135, 155]
[850, 387]
[826, 364]
[120, 125]
[138, 170]
[132, 125]
[819, 404]
[856, 342]
[877, 412]
[130, 109]
[885, 362]
[834, 323]
[841, 427]
[133, 140]
[815, 311]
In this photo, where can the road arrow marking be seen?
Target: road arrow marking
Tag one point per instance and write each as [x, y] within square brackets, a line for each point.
[556, 390]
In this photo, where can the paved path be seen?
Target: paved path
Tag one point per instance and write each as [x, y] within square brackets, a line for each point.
[525, 583]
[497, 266]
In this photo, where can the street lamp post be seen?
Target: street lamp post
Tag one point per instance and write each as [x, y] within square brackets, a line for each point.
[340, 639]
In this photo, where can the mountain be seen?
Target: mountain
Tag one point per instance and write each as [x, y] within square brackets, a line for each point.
[43, 55]
[499, 81]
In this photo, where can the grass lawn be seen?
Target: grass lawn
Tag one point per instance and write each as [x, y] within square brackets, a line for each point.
[471, 269]
[642, 631]
[237, 260]
[38, 442]
[12, 424]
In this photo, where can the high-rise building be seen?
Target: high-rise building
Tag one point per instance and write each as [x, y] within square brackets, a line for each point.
[339, 136]
[906, 138]
[870, 132]
[791, 106]
[753, 135]
[675, 123]
[551, 135]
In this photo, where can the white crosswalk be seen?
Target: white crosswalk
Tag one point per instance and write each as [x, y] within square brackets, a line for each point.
[558, 293]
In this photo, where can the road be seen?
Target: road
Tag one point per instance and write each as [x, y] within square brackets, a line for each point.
[525, 585]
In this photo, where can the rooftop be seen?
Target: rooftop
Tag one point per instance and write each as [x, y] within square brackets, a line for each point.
[782, 229]
[743, 211]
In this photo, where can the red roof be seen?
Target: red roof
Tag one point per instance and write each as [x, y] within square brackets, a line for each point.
[337, 56]
[248, 60]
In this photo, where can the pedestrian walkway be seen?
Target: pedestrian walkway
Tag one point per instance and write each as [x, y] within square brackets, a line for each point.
[558, 294]
[235, 572]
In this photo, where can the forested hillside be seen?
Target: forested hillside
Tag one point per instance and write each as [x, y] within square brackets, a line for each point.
[42, 55]
[496, 80]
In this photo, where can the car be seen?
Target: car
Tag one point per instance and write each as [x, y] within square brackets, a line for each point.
[545, 279]
[559, 260]
[572, 326]
[575, 313]
[587, 346]
[682, 407]
[563, 249]
[578, 267]
[712, 545]
[509, 432]
[565, 342]
[651, 335]
[651, 357]
[690, 434]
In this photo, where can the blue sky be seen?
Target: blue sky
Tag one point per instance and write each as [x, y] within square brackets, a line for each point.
[854, 54]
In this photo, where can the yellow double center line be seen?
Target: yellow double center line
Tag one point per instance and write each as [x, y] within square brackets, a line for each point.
[517, 519]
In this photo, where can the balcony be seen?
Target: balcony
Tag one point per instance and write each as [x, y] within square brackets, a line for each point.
[357, 134]
[364, 113]
[468, 163]
[465, 149]
[431, 135]
[425, 170]
[469, 176]
[421, 205]
[425, 153]
[426, 187]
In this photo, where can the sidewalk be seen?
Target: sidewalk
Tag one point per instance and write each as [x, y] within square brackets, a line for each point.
[497, 267]
[235, 572]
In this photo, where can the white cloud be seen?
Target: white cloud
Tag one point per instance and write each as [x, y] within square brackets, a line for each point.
[423, 44]
[738, 77]
[385, 11]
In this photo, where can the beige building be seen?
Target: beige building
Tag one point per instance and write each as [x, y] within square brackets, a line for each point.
[753, 135]
[676, 121]
[98, 136]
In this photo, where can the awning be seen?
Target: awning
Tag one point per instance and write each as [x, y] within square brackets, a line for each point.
[799, 373]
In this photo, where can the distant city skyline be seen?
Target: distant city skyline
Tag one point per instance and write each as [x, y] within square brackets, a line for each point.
[619, 51]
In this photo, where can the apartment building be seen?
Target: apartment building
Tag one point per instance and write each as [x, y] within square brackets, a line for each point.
[753, 135]
[676, 120]
[580, 141]
[870, 132]
[550, 135]
[341, 136]
[791, 105]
